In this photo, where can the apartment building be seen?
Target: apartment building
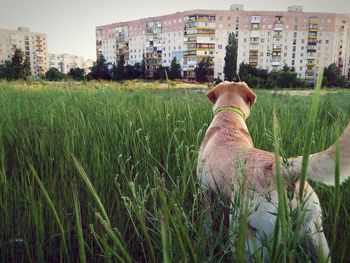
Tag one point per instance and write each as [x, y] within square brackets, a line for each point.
[64, 62]
[266, 39]
[34, 46]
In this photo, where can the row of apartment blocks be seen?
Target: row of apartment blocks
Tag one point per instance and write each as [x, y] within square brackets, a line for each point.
[34, 46]
[266, 39]
[65, 62]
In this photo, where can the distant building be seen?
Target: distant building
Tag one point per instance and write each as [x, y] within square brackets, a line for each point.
[266, 39]
[64, 62]
[33, 45]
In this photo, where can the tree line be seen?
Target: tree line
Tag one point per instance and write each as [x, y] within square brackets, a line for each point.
[19, 68]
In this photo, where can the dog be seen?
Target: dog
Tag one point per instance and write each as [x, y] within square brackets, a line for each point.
[227, 142]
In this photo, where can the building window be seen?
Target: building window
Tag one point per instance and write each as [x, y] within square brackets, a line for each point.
[219, 46]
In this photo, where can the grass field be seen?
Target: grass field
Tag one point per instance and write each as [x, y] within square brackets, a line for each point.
[106, 173]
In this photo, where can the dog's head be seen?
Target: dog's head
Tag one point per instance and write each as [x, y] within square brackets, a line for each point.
[235, 94]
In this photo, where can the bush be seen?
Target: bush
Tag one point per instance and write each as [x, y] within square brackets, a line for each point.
[53, 74]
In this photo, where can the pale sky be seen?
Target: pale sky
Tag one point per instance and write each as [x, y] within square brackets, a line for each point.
[70, 24]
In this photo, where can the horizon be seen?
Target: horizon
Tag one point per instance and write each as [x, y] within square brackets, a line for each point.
[78, 22]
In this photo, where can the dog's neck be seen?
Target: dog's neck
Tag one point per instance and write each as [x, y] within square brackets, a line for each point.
[231, 117]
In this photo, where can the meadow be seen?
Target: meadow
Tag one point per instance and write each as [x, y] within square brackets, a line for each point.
[102, 172]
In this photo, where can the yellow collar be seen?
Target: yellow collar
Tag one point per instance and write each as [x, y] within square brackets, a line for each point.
[232, 109]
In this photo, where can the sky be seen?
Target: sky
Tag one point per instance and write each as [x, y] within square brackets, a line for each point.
[70, 24]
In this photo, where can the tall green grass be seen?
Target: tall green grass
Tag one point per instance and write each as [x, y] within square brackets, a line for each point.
[110, 173]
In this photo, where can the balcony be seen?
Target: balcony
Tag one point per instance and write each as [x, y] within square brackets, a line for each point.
[255, 19]
[275, 62]
[312, 42]
[313, 29]
[312, 37]
[309, 77]
[278, 27]
[311, 49]
[254, 34]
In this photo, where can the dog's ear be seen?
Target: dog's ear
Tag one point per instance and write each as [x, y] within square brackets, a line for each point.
[251, 98]
[211, 96]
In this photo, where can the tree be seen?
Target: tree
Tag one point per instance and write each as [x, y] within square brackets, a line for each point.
[129, 72]
[332, 77]
[160, 73]
[118, 71]
[286, 79]
[26, 68]
[6, 71]
[17, 64]
[100, 70]
[230, 68]
[77, 74]
[204, 70]
[143, 67]
[137, 73]
[53, 74]
[17, 68]
[254, 75]
[175, 69]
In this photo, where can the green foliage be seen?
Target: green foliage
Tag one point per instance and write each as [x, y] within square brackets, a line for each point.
[118, 71]
[18, 68]
[261, 78]
[175, 69]
[137, 71]
[286, 79]
[252, 81]
[204, 70]
[6, 71]
[53, 74]
[230, 68]
[77, 74]
[143, 67]
[160, 74]
[99, 70]
[332, 77]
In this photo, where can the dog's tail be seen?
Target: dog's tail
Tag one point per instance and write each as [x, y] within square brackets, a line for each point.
[321, 166]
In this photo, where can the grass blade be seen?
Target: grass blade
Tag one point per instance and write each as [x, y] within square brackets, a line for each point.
[81, 242]
[52, 208]
[311, 125]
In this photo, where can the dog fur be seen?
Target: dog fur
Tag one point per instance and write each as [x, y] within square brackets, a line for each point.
[228, 142]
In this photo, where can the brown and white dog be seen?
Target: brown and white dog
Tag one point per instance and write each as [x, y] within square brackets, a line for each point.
[227, 142]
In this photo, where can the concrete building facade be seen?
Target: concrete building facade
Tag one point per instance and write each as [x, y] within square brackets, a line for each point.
[64, 62]
[33, 45]
[266, 39]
